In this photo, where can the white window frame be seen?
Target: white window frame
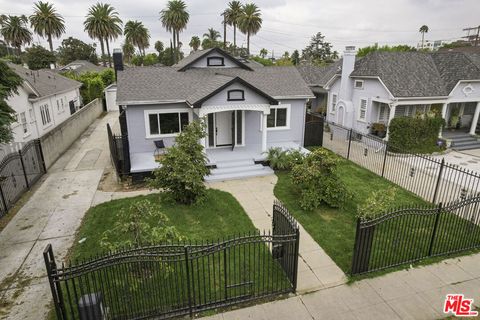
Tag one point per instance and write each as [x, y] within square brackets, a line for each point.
[280, 106]
[24, 124]
[355, 84]
[380, 105]
[45, 114]
[359, 118]
[333, 104]
[147, 113]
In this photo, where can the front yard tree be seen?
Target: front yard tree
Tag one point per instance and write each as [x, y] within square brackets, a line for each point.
[37, 57]
[183, 167]
[9, 81]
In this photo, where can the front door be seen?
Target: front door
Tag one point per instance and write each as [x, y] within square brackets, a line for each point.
[223, 128]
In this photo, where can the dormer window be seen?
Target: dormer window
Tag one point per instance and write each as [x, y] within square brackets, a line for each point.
[358, 84]
[215, 62]
[235, 95]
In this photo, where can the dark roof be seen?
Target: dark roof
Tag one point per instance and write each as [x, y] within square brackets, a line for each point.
[45, 82]
[455, 66]
[81, 66]
[152, 84]
[319, 76]
[184, 64]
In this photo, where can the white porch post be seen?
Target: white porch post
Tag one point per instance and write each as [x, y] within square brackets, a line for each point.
[264, 132]
[444, 116]
[475, 119]
[391, 115]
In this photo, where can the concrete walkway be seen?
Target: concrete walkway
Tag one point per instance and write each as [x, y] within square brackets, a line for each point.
[414, 294]
[51, 215]
[316, 270]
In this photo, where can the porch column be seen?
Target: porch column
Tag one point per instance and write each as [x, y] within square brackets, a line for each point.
[473, 127]
[391, 115]
[444, 116]
[264, 132]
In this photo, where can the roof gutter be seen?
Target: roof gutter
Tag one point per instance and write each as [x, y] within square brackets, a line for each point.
[126, 102]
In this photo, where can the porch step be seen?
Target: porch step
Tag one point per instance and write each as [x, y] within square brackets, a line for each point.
[470, 146]
[240, 169]
[464, 139]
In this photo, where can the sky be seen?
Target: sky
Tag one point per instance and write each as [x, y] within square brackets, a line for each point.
[287, 24]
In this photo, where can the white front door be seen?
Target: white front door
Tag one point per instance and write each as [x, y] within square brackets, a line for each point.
[223, 130]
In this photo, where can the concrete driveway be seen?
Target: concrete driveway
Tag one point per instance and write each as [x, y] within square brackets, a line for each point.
[468, 159]
[51, 215]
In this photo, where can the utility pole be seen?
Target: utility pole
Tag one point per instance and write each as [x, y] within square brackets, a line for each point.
[475, 37]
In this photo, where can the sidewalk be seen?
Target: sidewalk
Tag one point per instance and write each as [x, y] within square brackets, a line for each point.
[408, 294]
[316, 270]
[51, 215]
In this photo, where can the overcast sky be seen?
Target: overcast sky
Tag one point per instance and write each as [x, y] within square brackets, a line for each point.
[289, 24]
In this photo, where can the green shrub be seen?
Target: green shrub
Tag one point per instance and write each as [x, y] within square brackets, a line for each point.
[415, 135]
[317, 181]
[284, 159]
[183, 166]
[378, 202]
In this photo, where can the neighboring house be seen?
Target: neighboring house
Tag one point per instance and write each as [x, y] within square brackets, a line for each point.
[44, 100]
[384, 85]
[247, 108]
[81, 66]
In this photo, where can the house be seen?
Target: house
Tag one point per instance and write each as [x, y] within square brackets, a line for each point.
[248, 109]
[44, 100]
[80, 67]
[384, 85]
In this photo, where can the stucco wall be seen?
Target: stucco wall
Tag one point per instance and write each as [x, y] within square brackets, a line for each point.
[59, 139]
[251, 97]
[19, 102]
[297, 124]
[463, 93]
[111, 98]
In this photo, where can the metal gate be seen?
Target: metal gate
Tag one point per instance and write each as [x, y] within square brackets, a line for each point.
[313, 130]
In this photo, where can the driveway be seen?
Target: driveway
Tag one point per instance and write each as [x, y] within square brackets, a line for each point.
[468, 159]
[51, 215]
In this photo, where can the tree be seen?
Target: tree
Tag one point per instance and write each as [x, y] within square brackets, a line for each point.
[14, 31]
[195, 43]
[159, 47]
[137, 34]
[175, 19]
[150, 59]
[104, 24]
[46, 22]
[37, 57]
[128, 51]
[362, 52]
[263, 53]
[184, 166]
[318, 51]
[295, 57]
[423, 29]
[250, 21]
[9, 81]
[210, 39]
[232, 15]
[168, 55]
[73, 49]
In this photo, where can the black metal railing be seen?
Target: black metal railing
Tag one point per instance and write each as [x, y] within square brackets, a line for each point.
[119, 152]
[168, 280]
[18, 173]
[408, 235]
[430, 178]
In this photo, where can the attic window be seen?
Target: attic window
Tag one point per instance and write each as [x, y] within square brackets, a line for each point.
[215, 62]
[235, 95]
[358, 84]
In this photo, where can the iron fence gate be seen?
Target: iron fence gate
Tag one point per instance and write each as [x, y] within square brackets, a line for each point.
[313, 130]
[407, 235]
[18, 172]
[178, 279]
[119, 152]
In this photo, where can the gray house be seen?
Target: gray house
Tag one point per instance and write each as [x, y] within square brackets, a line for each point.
[248, 109]
[384, 85]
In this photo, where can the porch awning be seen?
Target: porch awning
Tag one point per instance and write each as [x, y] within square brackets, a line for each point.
[204, 110]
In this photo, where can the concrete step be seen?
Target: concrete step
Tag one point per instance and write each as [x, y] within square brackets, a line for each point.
[235, 163]
[467, 147]
[246, 168]
[463, 143]
[465, 138]
[266, 171]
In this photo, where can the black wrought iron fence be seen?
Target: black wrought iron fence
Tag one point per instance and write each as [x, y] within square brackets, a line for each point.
[178, 279]
[18, 172]
[407, 235]
[119, 152]
[430, 178]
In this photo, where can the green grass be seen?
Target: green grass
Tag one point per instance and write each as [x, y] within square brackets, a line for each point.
[158, 283]
[334, 228]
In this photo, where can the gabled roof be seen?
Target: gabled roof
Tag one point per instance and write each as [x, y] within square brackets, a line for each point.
[81, 66]
[45, 82]
[193, 57]
[319, 76]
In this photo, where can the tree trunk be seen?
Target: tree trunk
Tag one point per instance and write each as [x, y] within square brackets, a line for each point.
[423, 36]
[235, 36]
[50, 42]
[224, 34]
[174, 52]
[108, 52]
[140, 50]
[248, 43]
[178, 46]
[103, 52]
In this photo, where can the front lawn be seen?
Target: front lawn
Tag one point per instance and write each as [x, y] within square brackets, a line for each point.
[334, 228]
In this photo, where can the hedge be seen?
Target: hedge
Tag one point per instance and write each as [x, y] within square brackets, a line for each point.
[415, 135]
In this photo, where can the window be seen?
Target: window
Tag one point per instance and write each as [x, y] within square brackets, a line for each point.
[58, 106]
[45, 113]
[235, 95]
[358, 84]
[383, 113]
[363, 110]
[160, 124]
[334, 103]
[278, 117]
[32, 114]
[215, 62]
[23, 122]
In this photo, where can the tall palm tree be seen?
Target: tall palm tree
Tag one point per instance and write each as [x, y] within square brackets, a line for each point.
[128, 51]
[263, 53]
[103, 23]
[14, 31]
[137, 34]
[194, 43]
[250, 21]
[46, 22]
[423, 30]
[175, 19]
[212, 35]
[232, 15]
